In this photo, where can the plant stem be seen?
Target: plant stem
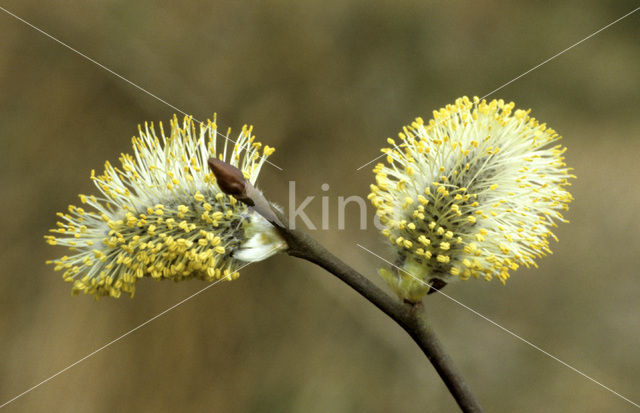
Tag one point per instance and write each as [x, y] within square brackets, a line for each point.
[410, 316]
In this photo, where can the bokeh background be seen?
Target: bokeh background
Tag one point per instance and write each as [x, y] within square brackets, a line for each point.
[325, 82]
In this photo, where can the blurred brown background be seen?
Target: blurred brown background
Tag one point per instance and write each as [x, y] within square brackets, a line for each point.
[325, 82]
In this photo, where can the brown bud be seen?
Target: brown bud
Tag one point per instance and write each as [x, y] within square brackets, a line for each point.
[230, 179]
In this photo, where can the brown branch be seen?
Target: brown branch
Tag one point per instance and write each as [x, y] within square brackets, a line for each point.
[410, 316]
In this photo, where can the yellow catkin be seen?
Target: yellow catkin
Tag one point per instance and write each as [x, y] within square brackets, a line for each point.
[162, 215]
[467, 210]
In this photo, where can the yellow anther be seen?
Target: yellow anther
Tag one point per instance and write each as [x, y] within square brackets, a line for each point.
[443, 258]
